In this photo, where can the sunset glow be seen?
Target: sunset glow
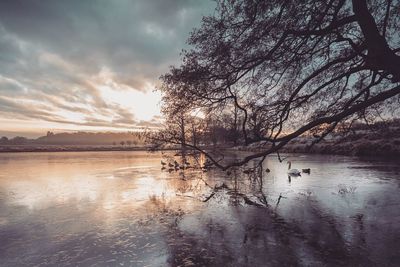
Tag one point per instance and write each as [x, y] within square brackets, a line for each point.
[80, 66]
[199, 133]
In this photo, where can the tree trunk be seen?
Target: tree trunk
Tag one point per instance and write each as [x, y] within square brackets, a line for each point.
[235, 128]
[194, 135]
[183, 139]
[380, 56]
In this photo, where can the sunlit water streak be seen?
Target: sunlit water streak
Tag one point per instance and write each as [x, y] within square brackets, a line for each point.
[120, 209]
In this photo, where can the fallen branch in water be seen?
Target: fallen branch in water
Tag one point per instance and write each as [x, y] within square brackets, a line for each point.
[251, 202]
[209, 197]
[279, 199]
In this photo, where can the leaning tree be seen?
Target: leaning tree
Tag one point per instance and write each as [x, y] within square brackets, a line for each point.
[290, 67]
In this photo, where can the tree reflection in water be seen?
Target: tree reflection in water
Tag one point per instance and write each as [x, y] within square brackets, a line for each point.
[244, 229]
[100, 209]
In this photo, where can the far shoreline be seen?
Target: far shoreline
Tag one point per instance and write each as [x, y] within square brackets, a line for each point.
[45, 149]
[15, 149]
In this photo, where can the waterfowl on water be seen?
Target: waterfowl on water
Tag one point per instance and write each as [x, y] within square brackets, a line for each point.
[306, 170]
[163, 163]
[293, 172]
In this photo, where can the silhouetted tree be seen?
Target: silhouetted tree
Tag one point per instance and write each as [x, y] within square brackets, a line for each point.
[290, 67]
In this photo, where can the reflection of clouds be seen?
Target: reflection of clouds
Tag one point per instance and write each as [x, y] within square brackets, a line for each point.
[115, 186]
[39, 194]
[150, 186]
[141, 213]
[38, 181]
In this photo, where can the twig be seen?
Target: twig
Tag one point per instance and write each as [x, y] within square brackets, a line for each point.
[279, 199]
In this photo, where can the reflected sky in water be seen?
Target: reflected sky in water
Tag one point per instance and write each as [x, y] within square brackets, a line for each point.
[121, 209]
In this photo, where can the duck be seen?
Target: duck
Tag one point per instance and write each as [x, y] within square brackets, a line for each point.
[171, 165]
[163, 163]
[176, 164]
[293, 172]
[308, 170]
[267, 170]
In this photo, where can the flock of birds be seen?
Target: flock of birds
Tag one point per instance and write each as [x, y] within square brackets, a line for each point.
[175, 166]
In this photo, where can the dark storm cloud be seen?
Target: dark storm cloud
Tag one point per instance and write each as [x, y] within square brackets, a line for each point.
[58, 47]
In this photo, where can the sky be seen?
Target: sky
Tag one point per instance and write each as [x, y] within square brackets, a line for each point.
[88, 65]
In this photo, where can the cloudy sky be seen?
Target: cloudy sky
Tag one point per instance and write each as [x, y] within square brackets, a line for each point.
[88, 65]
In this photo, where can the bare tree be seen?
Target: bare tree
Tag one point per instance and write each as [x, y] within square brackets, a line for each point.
[290, 67]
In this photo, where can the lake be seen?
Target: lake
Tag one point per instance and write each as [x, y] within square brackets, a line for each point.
[121, 209]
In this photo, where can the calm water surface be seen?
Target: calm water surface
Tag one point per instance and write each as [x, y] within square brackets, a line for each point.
[121, 209]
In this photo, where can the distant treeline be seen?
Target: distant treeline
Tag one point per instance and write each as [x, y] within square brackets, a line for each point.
[378, 139]
[225, 132]
[219, 135]
[80, 138]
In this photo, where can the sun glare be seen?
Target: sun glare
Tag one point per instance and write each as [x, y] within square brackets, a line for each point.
[144, 105]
